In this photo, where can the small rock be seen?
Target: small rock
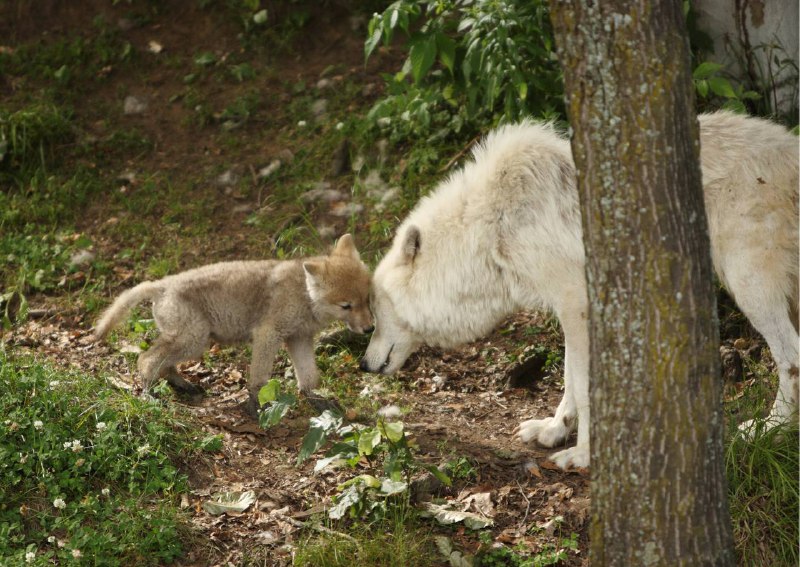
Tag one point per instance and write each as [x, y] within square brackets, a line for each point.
[326, 232]
[127, 177]
[227, 178]
[383, 150]
[265, 172]
[134, 105]
[286, 156]
[243, 208]
[358, 163]
[324, 84]
[369, 89]
[82, 258]
[154, 47]
[374, 184]
[322, 192]
[390, 412]
[346, 209]
[319, 107]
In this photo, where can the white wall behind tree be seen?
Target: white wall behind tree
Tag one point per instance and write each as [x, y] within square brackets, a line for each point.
[748, 35]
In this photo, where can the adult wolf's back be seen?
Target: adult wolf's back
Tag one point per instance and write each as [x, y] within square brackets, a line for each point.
[504, 234]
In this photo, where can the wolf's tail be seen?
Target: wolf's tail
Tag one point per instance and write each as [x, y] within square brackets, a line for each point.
[123, 304]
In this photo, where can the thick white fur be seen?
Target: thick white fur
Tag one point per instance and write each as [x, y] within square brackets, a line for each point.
[504, 234]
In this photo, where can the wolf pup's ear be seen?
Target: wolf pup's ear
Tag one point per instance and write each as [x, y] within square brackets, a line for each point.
[411, 243]
[346, 247]
[314, 269]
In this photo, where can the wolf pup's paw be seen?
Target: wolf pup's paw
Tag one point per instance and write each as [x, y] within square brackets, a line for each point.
[547, 432]
[187, 392]
[252, 407]
[321, 403]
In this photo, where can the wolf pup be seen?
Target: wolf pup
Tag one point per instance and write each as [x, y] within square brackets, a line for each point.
[504, 234]
[268, 302]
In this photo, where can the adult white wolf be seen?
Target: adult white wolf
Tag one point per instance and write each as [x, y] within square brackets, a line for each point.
[504, 234]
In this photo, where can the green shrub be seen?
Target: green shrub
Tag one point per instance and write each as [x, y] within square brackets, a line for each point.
[469, 64]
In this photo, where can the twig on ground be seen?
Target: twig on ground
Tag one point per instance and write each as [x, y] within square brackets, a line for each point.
[323, 529]
[458, 156]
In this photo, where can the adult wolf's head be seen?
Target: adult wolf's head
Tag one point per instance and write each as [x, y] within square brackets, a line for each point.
[339, 286]
[435, 286]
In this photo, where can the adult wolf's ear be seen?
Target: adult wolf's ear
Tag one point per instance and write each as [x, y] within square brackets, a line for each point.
[411, 243]
[346, 247]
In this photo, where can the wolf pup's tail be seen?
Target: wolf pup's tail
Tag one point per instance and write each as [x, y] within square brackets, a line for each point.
[123, 304]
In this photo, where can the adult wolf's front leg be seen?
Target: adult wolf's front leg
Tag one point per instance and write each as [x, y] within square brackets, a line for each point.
[553, 431]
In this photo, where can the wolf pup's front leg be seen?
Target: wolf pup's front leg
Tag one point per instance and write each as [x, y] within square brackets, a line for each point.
[301, 351]
[266, 343]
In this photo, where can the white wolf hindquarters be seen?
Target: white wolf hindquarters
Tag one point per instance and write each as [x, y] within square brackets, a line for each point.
[504, 234]
[267, 302]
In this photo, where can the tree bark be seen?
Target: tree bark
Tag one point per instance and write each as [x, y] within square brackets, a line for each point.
[658, 476]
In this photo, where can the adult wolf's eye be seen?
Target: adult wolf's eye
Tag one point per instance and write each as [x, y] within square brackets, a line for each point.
[345, 306]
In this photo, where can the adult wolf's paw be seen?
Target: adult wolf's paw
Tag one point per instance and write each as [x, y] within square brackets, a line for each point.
[547, 432]
[573, 458]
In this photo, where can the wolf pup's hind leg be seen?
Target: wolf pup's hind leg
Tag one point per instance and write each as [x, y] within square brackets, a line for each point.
[167, 351]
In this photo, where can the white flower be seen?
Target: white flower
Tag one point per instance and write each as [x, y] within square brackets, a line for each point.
[76, 553]
[76, 446]
[51, 539]
[105, 492]
[30, 556]
[54, 384]
[144, 449]
[340, 125]
[301, 123]
[67, 444]
[38, 424]
[384, 121]
[101, 425]
[59, 503]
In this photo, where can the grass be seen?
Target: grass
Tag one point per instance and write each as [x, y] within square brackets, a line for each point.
[86, 470]
[397, 540]
[763, 477]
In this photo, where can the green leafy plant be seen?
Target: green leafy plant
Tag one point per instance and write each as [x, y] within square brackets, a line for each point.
[469, 63]
[276, 404]
[714, 89]
[384, 446]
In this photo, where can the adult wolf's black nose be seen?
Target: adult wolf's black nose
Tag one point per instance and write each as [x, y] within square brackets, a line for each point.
[363, 365]
[369, 329]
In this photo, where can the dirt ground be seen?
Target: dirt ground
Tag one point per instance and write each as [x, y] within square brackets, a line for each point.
[460, 403]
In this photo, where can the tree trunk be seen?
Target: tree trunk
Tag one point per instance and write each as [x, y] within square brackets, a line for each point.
[658, 476]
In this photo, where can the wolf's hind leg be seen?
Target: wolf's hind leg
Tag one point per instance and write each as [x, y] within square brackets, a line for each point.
[167, 351]
[782, 338]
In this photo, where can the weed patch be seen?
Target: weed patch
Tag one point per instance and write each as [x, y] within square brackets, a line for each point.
[85, 471]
